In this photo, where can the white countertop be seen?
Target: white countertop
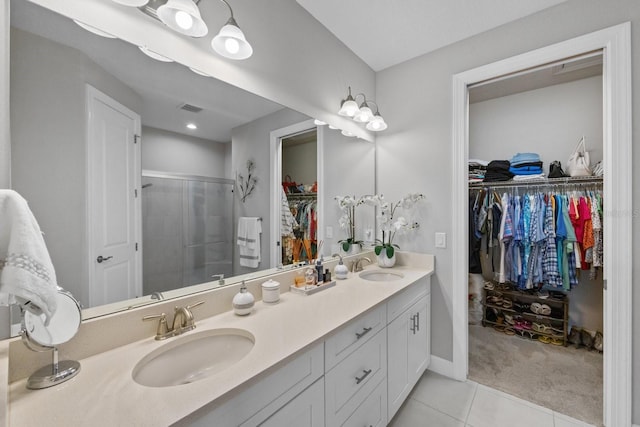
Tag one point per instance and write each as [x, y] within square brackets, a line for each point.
[104, 393]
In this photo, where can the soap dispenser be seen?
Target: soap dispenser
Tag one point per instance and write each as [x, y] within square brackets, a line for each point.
[243, 301]
[341, 271]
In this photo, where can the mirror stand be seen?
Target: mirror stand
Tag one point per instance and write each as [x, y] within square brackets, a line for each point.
[53, 374]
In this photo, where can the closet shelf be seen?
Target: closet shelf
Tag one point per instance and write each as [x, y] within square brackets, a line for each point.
[578, 180]
[524, 313]
[301, 195]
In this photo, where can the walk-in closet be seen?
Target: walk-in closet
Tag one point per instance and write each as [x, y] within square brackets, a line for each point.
[536, 236]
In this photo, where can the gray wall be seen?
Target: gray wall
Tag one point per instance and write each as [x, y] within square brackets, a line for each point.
[417, 146]
[49, 144]
[252, 142]
[176, 153]
[546, 121]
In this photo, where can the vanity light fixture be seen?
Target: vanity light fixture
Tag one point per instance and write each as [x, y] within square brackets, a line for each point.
[230, 41]
[154, 55]
[132, 3]
[183, 16]
[319, 122]
[94, 30]
[192, 126]
[363, 113]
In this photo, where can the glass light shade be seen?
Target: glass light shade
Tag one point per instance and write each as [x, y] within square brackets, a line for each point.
[377, 124]
[319, 122]
[183, 16]
[132, 3]
[94, 30]
[364, 115]
[349, 108]
[231, 42]
[154, 55]
[347, 133]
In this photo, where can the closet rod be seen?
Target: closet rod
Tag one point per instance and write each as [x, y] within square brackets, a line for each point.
[586, 180]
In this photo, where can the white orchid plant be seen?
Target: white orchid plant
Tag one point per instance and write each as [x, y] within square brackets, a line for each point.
[348, 220]
[390, 224]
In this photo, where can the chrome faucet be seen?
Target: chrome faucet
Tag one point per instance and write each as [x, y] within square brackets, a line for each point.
[220, 278]
[183, 321]
[357, 264]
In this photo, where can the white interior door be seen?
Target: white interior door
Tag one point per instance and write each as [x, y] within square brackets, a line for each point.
[114, 206]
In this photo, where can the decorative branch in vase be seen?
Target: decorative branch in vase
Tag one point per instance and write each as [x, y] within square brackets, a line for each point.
[348, 222]
[247, 186]
[390, 224]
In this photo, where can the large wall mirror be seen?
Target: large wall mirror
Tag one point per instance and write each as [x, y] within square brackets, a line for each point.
[167, 201]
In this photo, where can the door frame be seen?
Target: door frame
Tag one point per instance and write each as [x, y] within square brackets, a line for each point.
[275, 156]
[615, 43]
[89, 262]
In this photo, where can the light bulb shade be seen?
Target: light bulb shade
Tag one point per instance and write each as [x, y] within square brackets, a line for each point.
[94, 30]
[377, 124]
[132, 3]
[231, 42]
[154, 55]
[348, 133]
[349, 108]
[183, 16]
[364, 115]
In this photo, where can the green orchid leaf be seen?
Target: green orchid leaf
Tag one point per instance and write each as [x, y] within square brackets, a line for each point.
[377, 250]
[390, 252]
[346, 245]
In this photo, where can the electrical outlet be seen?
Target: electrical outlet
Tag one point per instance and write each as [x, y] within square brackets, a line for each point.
[441, 240]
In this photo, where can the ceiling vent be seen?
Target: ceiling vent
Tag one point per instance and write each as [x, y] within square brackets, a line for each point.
[190, 108]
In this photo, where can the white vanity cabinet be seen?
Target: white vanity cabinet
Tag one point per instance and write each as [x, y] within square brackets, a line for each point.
[408, 342]
[271, 394]
[306, 410]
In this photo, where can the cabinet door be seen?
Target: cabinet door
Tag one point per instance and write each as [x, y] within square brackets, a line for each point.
[419, 342]
[306, 410]
[408, 352]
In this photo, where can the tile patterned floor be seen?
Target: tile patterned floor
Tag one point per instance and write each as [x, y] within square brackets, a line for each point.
[438, 401]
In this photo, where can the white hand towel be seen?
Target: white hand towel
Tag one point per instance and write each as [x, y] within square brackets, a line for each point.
[27, 276]
[249, 230]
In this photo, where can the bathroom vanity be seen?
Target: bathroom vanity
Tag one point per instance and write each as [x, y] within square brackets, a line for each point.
[349, 355]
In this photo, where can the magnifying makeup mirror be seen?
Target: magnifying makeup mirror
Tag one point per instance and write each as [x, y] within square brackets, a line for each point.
[40, 337]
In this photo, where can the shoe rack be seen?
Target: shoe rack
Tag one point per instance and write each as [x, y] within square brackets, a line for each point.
[526, 313]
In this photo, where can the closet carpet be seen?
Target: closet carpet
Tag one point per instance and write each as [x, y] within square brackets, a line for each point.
[564, 379]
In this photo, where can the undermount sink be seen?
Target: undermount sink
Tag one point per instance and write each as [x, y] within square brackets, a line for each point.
[380, 275]
[193, 357]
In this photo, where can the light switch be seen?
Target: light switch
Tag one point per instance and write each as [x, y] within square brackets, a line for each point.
[441, 240]
[329, 232]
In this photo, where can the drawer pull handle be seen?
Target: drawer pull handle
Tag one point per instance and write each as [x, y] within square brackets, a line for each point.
[417, 321]
[360, 379]
[364, 332]
[412, 328]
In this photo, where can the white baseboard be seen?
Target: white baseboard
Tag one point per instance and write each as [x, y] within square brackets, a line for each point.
[441, 366]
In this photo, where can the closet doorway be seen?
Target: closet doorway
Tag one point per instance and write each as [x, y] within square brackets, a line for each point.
[616, 146]
[535, 329]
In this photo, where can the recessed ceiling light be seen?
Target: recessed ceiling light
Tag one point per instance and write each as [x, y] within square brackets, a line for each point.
[192, 126]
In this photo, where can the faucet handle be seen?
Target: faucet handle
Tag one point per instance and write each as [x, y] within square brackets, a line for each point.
[163, 329]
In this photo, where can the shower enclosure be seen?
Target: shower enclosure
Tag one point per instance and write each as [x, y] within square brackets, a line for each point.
[187, 230]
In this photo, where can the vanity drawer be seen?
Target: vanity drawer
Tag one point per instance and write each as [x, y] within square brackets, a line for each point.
[258, 402]
[373, 411]
[349, 383]
[353, 335]
[407, 297]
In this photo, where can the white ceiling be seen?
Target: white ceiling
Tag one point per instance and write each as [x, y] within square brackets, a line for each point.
[386, 32]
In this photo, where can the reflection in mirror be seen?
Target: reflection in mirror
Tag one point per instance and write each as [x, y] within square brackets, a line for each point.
[170, 209]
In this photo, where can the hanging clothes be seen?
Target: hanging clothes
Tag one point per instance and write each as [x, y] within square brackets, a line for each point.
[539, 238]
